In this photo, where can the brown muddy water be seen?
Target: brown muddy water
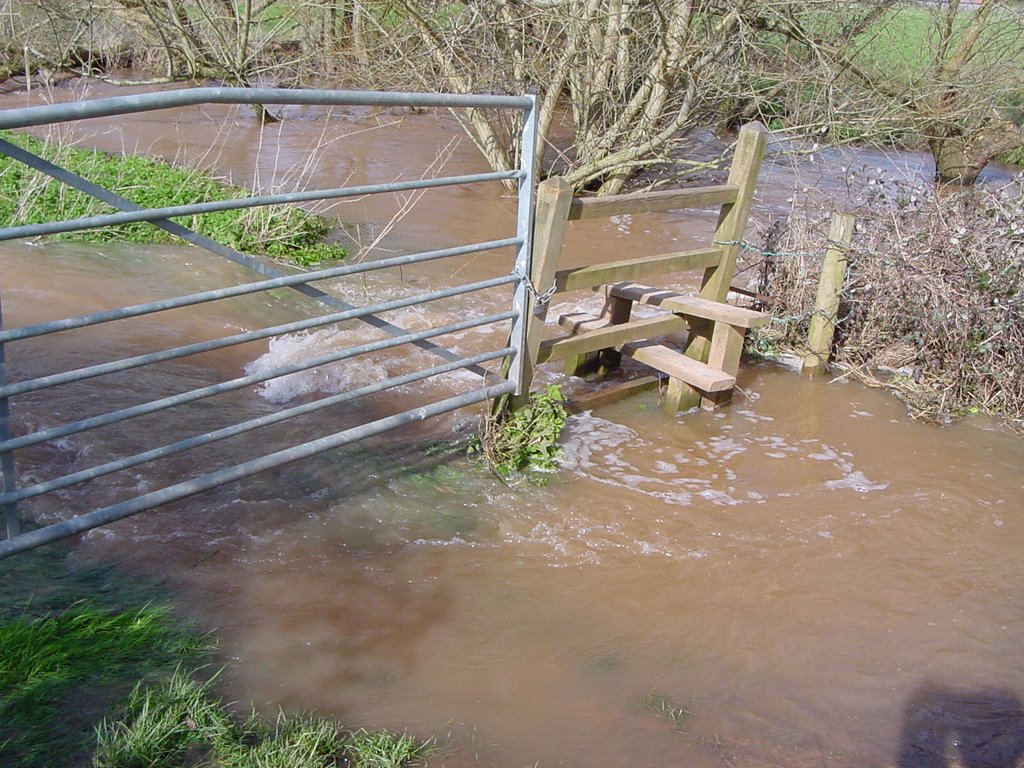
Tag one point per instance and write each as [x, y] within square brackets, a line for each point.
[807, 577]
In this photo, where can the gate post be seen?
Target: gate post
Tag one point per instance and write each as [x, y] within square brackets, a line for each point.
[554, 196]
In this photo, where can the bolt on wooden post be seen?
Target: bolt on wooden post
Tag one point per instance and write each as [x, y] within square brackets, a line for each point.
[830, 287]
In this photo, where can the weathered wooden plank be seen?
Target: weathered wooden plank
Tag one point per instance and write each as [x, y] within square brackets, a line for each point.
[679, 366]
[581, 278]
[612, 394]
[676, 396]
[582, 322]
[650, 202]
[617, 310]
[688, 305]
[725, 352]
[830, 286]
[610, 336]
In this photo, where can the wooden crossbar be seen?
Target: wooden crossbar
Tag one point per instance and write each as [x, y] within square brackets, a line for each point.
[651, 202]
[609, 336]
[582, 278]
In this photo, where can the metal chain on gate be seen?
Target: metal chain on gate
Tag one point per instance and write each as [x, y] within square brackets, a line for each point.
[540, 298]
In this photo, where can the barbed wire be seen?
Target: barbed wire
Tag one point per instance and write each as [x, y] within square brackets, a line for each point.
[749, 247]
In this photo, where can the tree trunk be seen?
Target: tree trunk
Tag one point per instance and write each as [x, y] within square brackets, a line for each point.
[959, 159]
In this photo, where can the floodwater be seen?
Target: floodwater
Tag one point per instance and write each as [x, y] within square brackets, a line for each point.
[806, 577]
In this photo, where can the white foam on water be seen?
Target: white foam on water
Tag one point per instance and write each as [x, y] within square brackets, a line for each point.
[332, 378]
[855, 480]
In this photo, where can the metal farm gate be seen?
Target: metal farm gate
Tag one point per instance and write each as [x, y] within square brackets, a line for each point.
[15, 498]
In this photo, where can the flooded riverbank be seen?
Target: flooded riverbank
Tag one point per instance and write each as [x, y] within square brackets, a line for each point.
[793, 580]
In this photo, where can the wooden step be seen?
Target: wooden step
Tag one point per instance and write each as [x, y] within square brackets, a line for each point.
[582, 322]
[694, 306]
[679, 366]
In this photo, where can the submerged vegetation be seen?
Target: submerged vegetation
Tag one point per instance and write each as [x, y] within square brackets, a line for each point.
[92, 674]
[656, 703]
[30, 197]
[525, 439]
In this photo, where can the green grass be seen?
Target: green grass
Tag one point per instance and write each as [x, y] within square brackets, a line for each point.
[181, 723]
[29, 197]
[902, 43]
[71, 644]
[161, 724]
[384, 749]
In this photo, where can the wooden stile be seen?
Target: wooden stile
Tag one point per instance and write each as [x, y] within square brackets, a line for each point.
[706, 372]
[610, 336]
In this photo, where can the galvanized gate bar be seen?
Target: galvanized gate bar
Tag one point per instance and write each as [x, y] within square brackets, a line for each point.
[153, 406]
[201, 241]
[90, 520]
[524, 230]
[10, 495]
[122, 313]
[31, 491]
[102, 369]
[148, 102]
[284, 198]
[7, 474]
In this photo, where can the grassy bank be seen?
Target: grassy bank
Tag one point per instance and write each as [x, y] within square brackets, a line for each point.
[29, 197]
[95, 671]
[933, 304]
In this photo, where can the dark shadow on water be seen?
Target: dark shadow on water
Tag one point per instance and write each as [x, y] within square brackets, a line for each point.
[947, 728]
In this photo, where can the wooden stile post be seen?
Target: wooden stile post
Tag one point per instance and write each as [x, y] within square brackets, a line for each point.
[830, 287]
[554, 196]
[732, 221]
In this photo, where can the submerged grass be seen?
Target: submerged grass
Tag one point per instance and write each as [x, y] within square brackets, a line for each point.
[667, 710]
[76, 642]
[30, 197]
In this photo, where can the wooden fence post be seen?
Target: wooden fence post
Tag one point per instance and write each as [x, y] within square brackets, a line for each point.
[830, 286]
[732, 221]
[551, 217]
